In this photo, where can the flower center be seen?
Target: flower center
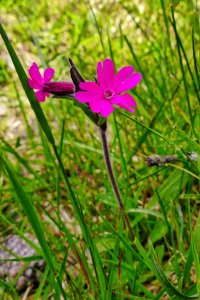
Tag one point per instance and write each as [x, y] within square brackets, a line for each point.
[108, 94]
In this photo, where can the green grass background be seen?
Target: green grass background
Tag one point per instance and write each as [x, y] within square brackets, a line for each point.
[54, 182]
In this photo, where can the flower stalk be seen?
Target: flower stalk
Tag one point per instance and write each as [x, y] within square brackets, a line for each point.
[102, 130]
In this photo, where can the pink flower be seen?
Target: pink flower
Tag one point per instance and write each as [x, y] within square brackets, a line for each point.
[110, 89]
[38, 82]
[45, 87]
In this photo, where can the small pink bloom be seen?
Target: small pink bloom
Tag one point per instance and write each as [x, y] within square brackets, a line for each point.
[110, 89]
[38, 82]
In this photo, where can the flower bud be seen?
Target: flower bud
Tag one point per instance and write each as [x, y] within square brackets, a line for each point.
[59, 88]
[75, 75]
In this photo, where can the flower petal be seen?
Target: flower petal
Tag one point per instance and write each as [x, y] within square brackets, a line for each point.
[130, 83]
[93, 87]
[121, 76]
[48, 74]
[95, 104]
[35, 74]
[34, 85]
[106, 109]
[108, 71]
[83, 97]
[124, 101]
[47, 94]
[41, 96]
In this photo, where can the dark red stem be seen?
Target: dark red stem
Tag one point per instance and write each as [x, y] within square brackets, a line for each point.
[113, 181]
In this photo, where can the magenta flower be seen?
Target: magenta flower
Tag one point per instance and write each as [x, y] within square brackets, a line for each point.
[44, 86]
[37, 81]
[110, 89]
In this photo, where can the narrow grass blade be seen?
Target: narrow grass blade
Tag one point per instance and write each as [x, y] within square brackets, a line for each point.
[112, 272]
[36, 225]
[98, 28]
[171, 290]
[28, 127]
[145, 78]
[110, 47]
[80, 257]
[166, 25]
[32, 216]
[95, 255]
[148, 128]
[58, 176]
[195, 245]
[193, 145]
[185, 170]
[7, 147]
[180, 44]
[38, 293]
[195, 61]
[123, 162]
[25, 164]
[173, 22]
[8, 290]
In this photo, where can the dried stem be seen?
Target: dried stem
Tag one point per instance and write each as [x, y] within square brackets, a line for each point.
[112, 179]
[162, 160]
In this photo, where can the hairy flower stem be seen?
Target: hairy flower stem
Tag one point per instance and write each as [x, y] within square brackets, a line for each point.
[113, 181]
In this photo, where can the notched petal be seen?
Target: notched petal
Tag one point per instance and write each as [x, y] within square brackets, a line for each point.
[123, 74]
[106, 109]
[129, 84]
[35, 74]
[48, 74]
[108, 71]
[40, 96]
[33, 84]
[125, 101]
